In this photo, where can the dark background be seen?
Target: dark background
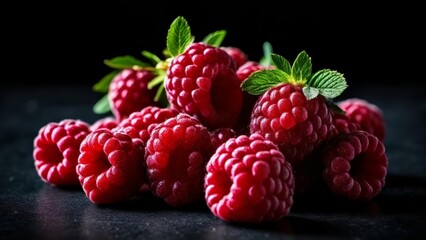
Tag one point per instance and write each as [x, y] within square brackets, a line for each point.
[66, 42]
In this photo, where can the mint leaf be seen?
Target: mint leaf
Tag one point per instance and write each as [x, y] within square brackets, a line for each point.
[329, 83]
[161, 96]
[260, 81]
[281, 63]
[102, 106]
[215, 38]
[123, 62]
[151, 57]
[266, 60]
[310, 92]
[103, 85]
[178, 36]
[302, 67]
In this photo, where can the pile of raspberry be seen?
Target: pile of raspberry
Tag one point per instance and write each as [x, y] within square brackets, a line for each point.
[245, 156]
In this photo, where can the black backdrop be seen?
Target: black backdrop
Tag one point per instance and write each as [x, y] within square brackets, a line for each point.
[66, 42]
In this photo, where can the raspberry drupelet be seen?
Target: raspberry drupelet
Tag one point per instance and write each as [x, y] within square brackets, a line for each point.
[248, 180]
[56, 150]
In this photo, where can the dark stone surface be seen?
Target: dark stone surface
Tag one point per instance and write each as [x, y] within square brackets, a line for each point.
[32, 209]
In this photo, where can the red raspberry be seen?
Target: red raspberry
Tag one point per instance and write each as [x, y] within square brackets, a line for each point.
[355, 165]
[56, 150]
[106, 122]
[284, 116]
[369, 116]
[249, 180]
[176, 156]
[237, 55]
[128, 92]
[202, 82]
[110, 166]
[145, 120]
[221, 135]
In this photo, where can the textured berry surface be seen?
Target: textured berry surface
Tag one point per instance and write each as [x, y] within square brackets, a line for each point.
[369, 116]
[128, 92]
[343, 124]
[355, 165]
[221, 135]
[249, 180]
[106, 122]
[284, 116]
[202, 83]
[238, 55]
[176, 156]
[56, 150]
[145, 120]
[110, 166]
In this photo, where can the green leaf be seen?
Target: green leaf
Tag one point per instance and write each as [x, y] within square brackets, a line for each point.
[123, 62]
[310, 92]
[334, 107]
[151, 56]
[266, 60]
[102, 106]
[157, 80]
[260, 81]
[178, 36]
[103, 85]
[215, 38]
[281, 63]
[302, 68]
[329, 83]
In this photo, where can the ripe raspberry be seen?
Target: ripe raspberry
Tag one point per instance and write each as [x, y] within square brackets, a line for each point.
[56, 149]
[107, 122]
[110, 166]
[237, 55]
[176, 156]
[128, 92]
[249, 180]
[221, 135]
[202, 82]
[145, 120]
[284, 116]
[291, 110]
[355, 165]
[369, 116]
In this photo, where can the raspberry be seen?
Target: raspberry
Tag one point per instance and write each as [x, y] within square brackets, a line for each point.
[110, 166]
[369, 116]
[249, 180]
[284, 116]
[145, 120]
[176, 156]
[355, 165]
[106, 122]
[202, 83]
[56, 150]
[128, 92]
[221, 135]
[237, 55]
